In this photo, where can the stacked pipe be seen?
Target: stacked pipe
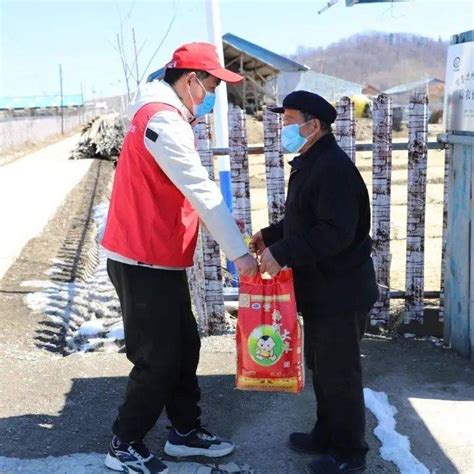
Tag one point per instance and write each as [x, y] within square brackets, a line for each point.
[101, 138]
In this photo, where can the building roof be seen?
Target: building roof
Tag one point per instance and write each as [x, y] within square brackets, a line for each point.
[265, 62]
[40, 102]
[234, 46]
[401, 89]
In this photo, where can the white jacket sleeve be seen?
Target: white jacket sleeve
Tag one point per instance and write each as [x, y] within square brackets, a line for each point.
[170, 140]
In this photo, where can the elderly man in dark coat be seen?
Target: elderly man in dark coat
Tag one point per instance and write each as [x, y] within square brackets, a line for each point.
[324, 238]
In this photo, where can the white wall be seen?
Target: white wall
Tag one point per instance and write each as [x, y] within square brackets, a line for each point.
[21, 131]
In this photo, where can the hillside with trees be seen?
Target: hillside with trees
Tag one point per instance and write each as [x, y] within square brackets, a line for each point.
[380, 59]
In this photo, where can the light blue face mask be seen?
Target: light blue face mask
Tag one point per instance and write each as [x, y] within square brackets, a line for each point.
[291, 138]
[206, 106]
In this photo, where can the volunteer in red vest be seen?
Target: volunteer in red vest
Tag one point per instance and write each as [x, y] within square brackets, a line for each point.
[161, 193]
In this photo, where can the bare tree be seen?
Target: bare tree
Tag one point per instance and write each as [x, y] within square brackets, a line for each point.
[131, 70]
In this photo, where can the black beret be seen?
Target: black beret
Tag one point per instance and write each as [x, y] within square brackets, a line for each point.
[308, 102]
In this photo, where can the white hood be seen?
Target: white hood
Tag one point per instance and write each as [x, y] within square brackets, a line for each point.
[157, 91]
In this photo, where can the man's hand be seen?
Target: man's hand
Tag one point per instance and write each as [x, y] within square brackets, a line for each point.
[257, 245]
[268, 264]
[247, 265]
[240, 224]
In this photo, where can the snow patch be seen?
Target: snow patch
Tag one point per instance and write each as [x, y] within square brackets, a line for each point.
[91, 328]
[117, 333]
[395, 447]
[36, 283]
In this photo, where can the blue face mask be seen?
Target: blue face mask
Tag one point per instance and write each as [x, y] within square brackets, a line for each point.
[291, 139]
[206, 106]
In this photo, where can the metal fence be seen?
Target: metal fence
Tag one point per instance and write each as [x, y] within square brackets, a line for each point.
[17, 132]
[210, 293]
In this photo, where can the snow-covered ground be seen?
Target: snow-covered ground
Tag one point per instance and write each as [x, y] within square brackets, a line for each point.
[31, 190]
[89, 311]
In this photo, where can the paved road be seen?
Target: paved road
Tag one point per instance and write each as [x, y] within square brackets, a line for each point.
[31, 190]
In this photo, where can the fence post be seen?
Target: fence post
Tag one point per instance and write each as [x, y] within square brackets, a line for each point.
[345, 127]
[274, 166]
[447, 160]
[211, 254]
[195, 274]
[239, 165]
[416, 203]
[381, 181]
[197, 286]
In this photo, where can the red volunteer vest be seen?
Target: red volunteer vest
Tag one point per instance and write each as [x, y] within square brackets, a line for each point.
[149, 219]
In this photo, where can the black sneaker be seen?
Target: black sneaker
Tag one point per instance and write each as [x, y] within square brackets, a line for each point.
[330, 465]
[133, 457]
[307, 443]
[197, 442]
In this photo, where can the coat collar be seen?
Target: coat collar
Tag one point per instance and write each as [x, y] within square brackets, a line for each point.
[307, 158]
[158, 91]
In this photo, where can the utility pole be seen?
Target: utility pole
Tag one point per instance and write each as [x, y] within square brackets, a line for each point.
[62, 97]
[82, 99]
[220, 112]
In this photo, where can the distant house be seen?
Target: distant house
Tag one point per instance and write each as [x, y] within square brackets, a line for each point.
[402, 94]
[269, 77]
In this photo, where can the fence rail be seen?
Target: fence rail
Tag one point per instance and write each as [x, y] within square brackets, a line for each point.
[382, 148]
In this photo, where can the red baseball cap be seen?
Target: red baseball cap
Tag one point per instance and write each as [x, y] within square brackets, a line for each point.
[202, 57]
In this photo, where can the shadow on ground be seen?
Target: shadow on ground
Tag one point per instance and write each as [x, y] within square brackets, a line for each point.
[259, 423]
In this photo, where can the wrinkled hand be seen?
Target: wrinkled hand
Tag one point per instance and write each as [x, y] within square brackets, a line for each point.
[247, 265]
[268, 264]
[257, 245]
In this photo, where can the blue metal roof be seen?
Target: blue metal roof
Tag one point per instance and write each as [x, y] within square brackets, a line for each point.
[41, 102]
[264, 55]
[156, 75]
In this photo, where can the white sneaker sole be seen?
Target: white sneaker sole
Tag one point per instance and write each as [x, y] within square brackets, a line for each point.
[178, 451]
[113, 463]
[116, 465]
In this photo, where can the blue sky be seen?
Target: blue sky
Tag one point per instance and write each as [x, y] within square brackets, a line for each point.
[37, 36]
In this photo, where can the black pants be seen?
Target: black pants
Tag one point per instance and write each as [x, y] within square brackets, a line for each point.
[162, 342]
[332, 352]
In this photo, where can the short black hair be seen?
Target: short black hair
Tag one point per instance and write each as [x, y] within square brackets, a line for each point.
[327, 127]
[173, 74]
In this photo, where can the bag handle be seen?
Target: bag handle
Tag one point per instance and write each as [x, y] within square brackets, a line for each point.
[285, 274]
